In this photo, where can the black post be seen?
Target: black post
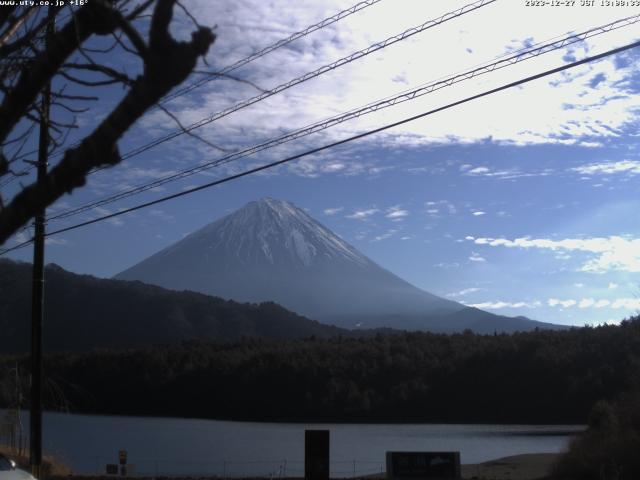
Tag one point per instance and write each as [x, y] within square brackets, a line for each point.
[316, 455]
[37, 298]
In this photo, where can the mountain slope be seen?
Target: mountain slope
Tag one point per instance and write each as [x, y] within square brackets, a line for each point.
[83, 312]
[270, 250]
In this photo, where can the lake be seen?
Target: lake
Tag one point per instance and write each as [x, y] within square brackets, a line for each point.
[167, 446]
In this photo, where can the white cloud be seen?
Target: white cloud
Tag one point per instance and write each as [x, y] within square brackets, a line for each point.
[505, 174]
[396, 213]
[500, 304]
[586, 303]
[626, 303]
[478, 171]
[55, 241]
[565, 110]
[611, 253]
[613, 286]
[609, 168]
[602, 303]
[363, 214]
[475, 257]
[478, 213]
[447, 265]
[388, 234]
[553, 302]
[334, 167]
[464, 292]
[440, 207]
[332, 211]
[620, 303]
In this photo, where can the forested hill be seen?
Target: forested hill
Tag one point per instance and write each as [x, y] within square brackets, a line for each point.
[535, 377]
[83, 312]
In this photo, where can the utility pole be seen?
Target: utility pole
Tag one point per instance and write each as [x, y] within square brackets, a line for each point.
[37, 306]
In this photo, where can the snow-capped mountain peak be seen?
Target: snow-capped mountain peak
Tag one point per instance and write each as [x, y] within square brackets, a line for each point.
[272, 250]
[276, 231]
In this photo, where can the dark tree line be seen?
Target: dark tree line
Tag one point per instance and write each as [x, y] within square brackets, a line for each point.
[536, 377]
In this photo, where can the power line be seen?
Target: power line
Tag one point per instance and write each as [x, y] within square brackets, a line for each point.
[296, 81]
[341, 142]
[234, 66]
[309, 75]
[280, 43]
[517, 57]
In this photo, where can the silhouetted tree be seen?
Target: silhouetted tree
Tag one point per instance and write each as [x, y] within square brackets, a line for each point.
[28, 63]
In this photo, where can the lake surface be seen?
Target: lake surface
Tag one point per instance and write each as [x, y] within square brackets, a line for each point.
[172, 446]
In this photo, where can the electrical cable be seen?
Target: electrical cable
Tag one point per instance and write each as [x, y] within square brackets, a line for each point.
[310, 75]
[355, 113]
[240, 63]
[280, 43]
[340, 142]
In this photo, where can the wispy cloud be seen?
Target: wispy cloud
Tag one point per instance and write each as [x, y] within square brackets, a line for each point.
[569, 111]
[611, 253]
[388, 234]
[509, 174]
[609, 168]
[554, 302]
[363, 214]
[55, 241]
[397, 213]
[161, 214]
[332, 211]
[464, 292]
[584, 303]
[440, 207]
[475, 257]
[496, 305]
[448, 265]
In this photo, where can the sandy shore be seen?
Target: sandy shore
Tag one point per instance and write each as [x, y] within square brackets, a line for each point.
[531, 466]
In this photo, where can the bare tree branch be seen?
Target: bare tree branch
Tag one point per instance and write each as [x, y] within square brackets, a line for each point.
[166, 64]
[8, 48]
[190, 133]
[108, 71]
[96, 17]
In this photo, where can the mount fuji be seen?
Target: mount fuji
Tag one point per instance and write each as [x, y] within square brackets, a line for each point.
[271, 250]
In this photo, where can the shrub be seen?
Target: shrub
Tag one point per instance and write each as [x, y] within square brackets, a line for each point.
[608, 450]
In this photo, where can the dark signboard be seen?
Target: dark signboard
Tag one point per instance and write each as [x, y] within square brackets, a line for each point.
[427, 465]
[316, 454]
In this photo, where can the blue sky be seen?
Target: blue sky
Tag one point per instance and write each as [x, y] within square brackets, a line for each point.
[522, 203]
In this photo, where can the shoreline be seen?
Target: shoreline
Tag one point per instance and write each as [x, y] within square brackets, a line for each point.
[571, 428]
[528, 466]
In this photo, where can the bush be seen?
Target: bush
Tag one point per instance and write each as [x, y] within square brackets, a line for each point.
[608, 450]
